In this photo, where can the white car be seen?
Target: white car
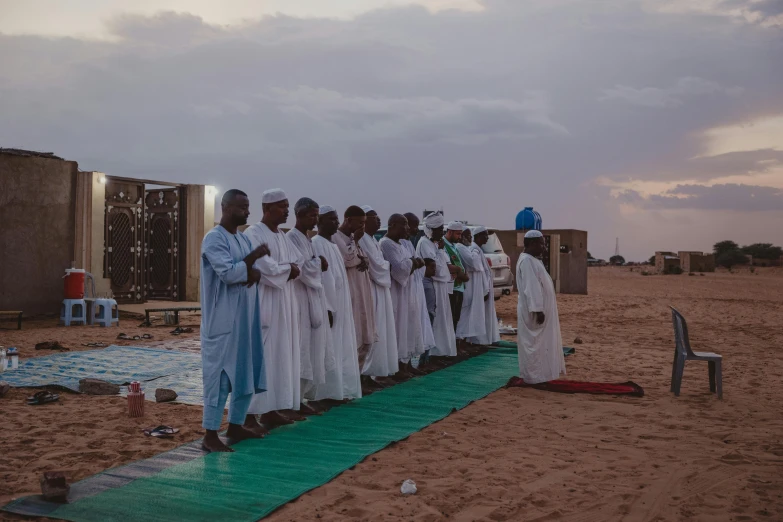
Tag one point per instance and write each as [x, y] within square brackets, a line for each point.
[499, 262]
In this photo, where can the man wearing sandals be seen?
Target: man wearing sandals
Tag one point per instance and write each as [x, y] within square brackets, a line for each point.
[231, 348]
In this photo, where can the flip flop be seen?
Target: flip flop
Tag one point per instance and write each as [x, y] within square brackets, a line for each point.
[126, 337]
[42, 397]
[146, 336]
[94, 345]
[178, 330]
[163, 432]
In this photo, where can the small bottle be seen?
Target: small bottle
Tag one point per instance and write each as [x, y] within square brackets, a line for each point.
[13, 354]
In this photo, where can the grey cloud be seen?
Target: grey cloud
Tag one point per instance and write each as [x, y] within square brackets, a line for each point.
[502, 101]
[667, 97]
[729, 197]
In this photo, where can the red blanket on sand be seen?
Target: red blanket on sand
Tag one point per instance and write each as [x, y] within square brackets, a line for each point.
[602, 388]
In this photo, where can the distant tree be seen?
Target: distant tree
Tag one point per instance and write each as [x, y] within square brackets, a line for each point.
[724, 246]
[730, 258]
[763, 251]
[617, 260]
[651, 260]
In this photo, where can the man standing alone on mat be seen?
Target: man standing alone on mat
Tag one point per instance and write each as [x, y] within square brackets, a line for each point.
[539, 343]
[231, 349]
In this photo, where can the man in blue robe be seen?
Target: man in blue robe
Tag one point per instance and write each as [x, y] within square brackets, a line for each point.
[231, 348]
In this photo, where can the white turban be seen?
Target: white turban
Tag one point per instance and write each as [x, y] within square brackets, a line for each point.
[533, 233]
[273, 196]
[456, 225]
[478, 230]
[325, 209]
[367, 209]
[433, 220]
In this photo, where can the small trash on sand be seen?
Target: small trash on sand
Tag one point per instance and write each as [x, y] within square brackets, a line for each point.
[578, 340]
[408, 487]
[98, 387]
[51, 345]
[54, 486]
[165, 395]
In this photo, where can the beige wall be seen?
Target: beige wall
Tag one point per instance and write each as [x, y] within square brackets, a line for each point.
[37, 232]
[199, 219]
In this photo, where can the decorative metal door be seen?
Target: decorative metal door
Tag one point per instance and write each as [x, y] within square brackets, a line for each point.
[123, 260]
[161, 243]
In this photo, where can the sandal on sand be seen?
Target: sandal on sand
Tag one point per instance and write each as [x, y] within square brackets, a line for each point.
[94, 345]
[126, 337]
[178, 330]
[42, 397]
[164, 432]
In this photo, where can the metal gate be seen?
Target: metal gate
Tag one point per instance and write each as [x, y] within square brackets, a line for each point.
[161, 243]
[123, 259]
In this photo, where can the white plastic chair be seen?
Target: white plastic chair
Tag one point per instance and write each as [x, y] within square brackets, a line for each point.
[683, 352]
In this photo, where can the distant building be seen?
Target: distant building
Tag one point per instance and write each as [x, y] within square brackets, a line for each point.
[697, 262]
[666, 262]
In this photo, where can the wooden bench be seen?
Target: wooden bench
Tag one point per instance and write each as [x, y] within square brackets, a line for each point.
[176, 311]
[13, 314]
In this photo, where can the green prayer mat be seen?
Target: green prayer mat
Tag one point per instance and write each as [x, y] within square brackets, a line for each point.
[262, 475]
[567, 350]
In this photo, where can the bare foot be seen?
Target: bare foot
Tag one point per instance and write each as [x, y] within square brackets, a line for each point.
[212, 443]
[293, 415]
[252, 425]
[306, 409]
[237, 432]
[274, 419]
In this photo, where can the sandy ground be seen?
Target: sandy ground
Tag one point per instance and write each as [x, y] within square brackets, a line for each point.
[518, 454]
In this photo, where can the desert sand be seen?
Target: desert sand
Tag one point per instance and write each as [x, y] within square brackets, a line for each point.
[519, 454]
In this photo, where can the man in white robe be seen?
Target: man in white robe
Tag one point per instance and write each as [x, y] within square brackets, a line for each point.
[381, 360]
[315, 340]
[539, 343]
[491, 333]
[471, 320]
[344, 382]
[279, 315]
[427, 335]
[232, 354]
[432, 246]
[403, 264]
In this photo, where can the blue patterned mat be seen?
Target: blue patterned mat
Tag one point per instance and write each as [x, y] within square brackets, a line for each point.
[179, 371]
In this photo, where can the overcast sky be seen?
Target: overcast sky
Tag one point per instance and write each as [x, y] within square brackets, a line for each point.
[656, 121]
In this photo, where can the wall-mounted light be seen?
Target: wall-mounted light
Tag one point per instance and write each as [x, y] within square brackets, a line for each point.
[102, 180]
[211, 191]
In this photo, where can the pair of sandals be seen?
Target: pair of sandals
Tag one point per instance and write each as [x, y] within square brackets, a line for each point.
[179, 330]
[126, 337]
[161, 432]
[42, 397]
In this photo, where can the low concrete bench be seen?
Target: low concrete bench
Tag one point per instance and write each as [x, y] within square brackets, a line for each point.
[176, 311]
[12, 314]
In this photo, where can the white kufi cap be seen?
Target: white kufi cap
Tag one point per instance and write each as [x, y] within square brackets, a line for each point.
[533, 233]
[325, 209]
[273, 196]
[478, 230]
[456, 225]
[367, 208]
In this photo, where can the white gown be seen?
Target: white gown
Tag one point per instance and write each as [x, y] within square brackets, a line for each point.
[279, 321]
[540, 347]
[491, 333]
[407, 314]
[427, 335]
[382, 359]
[443, 326]
[471, 319]
[316, 351]
[344, 381]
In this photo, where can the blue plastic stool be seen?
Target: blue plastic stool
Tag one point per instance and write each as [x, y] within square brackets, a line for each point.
[73, 311]
[105, 312]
